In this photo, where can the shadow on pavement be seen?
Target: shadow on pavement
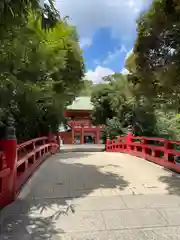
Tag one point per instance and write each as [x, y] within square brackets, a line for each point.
[61, 179]
[172, 181]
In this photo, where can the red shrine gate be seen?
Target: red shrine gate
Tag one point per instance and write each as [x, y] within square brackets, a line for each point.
[82, 130]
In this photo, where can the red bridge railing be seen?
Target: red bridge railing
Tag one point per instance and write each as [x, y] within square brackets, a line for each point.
[157, 150]
[18, 162]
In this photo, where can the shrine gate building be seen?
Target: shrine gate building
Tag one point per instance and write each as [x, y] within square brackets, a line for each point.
[81, 130]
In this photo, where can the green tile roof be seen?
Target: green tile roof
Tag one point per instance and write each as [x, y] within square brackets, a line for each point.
[81, 103]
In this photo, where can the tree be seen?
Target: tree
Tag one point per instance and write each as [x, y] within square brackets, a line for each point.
[148, 97]
[154, 66]
[41, 73]
[15, 13]
[157, 51]
[116, 106]
[87, 88]
[113, 128]
[130, 63]
[102, 106]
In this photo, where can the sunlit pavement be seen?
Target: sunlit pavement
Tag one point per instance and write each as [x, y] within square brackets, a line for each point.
[95, 196]
[83, 148]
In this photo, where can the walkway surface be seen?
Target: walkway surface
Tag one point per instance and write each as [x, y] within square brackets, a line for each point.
[95, 196]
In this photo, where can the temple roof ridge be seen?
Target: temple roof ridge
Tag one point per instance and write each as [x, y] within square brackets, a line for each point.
[81, 103]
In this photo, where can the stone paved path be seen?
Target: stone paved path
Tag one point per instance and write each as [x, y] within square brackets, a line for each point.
[95, 196]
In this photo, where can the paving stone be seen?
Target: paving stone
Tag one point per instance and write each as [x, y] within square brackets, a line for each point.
[168, 233]
[101, 235]
[78, 183]
[81, 193]
[16, 237]
[16, 208]
[157, 190]
[172, 215]
[151, 201]
[99, 203]
[133, 234]
[38, 207]
[61, 192]
[122, 219]
[24, 224]
[165, 233]
[116, 192]
[41, 192]
[81, 221]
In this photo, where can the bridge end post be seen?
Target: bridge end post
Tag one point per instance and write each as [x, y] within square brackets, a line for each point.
[129, 137]
[10, 151]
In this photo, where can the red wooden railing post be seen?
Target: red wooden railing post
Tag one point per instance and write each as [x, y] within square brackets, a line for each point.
[129, 139]
[58, 141]
[144, 142]
[107, 144]
[166, 147]
[82, 135]
[10, 151]
[50, 138]
[97, 137]
[149, 148]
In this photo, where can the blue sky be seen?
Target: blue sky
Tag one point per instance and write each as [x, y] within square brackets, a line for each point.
[107, 31]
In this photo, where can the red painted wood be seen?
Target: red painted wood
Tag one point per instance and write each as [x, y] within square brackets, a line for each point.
[82, 135]
[8, 171]
[66, 137]
[18, 163]
[80, 119]
[159, 151]
[97, 135]
[78, 113]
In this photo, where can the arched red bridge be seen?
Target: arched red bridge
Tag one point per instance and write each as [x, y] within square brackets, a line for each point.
[78, 194]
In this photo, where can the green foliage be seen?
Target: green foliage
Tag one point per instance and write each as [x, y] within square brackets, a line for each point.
[148, 98]
[117, 108]
[168, 125]
[130, 63]
[87, 88]
[15, 13]
[157, 51]
[113, 128]
[102, 106]
[154, 66]
[41, 73]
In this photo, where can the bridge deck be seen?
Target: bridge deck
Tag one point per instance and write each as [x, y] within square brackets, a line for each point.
[95, 195]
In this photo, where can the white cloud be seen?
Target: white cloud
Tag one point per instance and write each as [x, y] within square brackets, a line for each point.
[124, 71]
[112, 55]
[97, 75]
[85, 42]
[90, 15]
[131, 3]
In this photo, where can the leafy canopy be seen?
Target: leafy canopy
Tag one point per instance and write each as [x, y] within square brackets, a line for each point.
[157, 51]
[41, 73]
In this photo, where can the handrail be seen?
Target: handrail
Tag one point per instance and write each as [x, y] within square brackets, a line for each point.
[149, 138]
[158, 150]
[24, 144]
[18, 163]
